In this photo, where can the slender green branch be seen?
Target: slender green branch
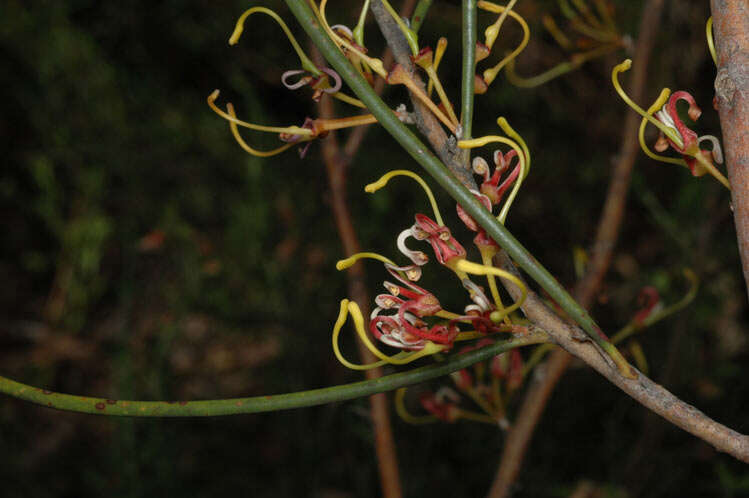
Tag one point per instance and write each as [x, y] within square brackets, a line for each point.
[452, 186]
[469, 67]
[420, 13]
[257, 404]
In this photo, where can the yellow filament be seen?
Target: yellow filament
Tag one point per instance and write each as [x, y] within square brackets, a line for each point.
[510, 131]
[667, 130]
[710, 41]
[638, 355]
[400, 409]
[234, 39]
[491, 73]
[480, 142]
[358, 31]
[603, 12]
[556, 33]
[438, 53]
[442, 95]
[348, 262]
[339, 123]
[477, 269]
[408, 33]
[565, 67]
[292, 130]
[492, 32]
[486, 258]
[349, 100]
[419, 93]
[375, 64]
[402, 358]
[245, 146]
[587, 14]
[375, 186]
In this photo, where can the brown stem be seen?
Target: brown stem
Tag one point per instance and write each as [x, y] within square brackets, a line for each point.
[642, 389]
[731, 28]
[540, 389]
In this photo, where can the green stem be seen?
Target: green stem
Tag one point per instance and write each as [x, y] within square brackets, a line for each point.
[257, 404]
[422, 155]
[469, 67]
[420, 12]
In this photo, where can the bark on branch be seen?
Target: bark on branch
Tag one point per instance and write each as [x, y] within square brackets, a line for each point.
[731, 29]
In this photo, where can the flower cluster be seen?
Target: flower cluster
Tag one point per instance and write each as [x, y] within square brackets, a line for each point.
[411, 318]
[489, 386]
[674, 133]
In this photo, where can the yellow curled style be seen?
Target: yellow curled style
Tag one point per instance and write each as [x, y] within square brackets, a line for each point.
[477, 269]
[239, 28]
[292, 130]
[348, 262]
[668, 131]
[245, 145]
[480, 142]
[384, 179]
[491, 73]
[402, 358]
[660, 101]
[710, 41]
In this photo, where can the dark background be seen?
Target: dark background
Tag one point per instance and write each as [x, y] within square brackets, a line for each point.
[144, 255]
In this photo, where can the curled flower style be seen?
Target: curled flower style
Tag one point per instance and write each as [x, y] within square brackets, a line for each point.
[674, 132]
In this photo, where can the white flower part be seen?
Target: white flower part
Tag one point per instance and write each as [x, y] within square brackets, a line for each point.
[375, 313]
[665, 118]
[418, 257]
[717, 152]
[345, 29]
[480, 167]
[472, 307]
[477, 295]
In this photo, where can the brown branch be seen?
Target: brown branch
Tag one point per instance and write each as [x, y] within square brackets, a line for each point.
[731, 28]
[642, 389]
[540, 389]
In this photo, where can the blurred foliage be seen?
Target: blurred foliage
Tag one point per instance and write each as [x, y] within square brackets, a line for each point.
[146, 256]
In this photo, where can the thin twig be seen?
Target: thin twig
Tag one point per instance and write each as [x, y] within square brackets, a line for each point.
[731, 28]
[540, 388]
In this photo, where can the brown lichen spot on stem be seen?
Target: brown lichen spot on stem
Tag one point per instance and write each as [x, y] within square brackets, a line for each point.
[100, 406]
[725, 88]
[182, 403]
[111, 401]
[44, 391]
